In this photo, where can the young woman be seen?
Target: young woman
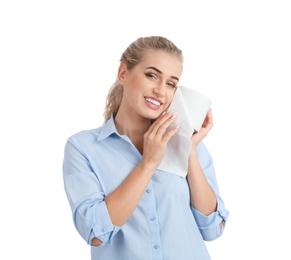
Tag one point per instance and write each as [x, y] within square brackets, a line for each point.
[122, 205]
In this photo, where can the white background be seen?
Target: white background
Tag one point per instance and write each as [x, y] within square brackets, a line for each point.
[57, 62]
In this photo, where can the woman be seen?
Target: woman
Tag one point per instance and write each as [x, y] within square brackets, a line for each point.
[122, 205]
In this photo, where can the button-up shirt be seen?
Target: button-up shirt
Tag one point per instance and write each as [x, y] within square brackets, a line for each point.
[164, 225]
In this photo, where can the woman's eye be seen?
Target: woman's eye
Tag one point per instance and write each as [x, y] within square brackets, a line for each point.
[172, 85]
[150, 75]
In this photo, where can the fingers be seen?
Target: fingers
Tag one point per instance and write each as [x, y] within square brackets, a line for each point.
[206, 127]
[160, 126]
[208, 122]
[157, 137]
[210, 116]
[159, 133]
[167, 136]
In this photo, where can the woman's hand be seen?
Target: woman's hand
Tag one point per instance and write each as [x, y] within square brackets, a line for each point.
[197, 137]
[157, 138]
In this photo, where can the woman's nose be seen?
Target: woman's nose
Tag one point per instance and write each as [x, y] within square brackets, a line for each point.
[160, 89]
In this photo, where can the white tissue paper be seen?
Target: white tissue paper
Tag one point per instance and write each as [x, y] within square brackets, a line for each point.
[191, 108]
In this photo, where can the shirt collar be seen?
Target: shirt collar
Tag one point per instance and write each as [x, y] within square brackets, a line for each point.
[107, 129]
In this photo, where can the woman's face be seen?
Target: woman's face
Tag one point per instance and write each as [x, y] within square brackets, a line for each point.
[148, 88]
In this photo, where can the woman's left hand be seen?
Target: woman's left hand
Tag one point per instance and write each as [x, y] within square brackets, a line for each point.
[205, 128]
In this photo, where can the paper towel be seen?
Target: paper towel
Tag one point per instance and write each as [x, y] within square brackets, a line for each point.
[191, 108]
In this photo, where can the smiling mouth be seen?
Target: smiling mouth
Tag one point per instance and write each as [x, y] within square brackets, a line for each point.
[153, 101]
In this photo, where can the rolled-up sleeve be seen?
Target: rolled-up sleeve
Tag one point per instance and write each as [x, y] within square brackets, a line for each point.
[85, 195]
[209, 226]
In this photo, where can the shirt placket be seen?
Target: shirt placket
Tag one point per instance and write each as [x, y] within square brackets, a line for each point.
[153, 223]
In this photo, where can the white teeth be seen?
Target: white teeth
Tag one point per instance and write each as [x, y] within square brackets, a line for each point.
[155, 102]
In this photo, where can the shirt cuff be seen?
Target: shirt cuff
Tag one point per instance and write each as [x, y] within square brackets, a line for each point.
[209, 226]
[103, 229]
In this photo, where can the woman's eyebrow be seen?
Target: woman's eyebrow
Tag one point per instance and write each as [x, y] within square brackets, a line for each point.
[157, 70]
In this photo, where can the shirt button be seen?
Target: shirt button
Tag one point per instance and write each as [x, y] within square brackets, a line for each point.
[148, 190]
[103, 230]
[156, 247]
[152, 218]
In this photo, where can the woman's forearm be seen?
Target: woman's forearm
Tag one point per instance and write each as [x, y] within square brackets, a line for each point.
[203, 197]
[122, 201]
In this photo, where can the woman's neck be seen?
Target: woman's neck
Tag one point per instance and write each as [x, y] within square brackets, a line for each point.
[132, 126]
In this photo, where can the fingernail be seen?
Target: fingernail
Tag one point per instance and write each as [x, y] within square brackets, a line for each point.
[170, 111]
[174, 116]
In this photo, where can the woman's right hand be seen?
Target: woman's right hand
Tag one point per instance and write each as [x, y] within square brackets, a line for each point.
[157, 138]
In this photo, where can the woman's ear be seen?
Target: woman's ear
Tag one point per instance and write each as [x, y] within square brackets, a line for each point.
[121, 73]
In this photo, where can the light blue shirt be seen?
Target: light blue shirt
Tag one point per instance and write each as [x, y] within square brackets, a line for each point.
[164, 225]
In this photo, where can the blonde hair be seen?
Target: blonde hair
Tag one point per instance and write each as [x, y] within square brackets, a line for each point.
[134, 53]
